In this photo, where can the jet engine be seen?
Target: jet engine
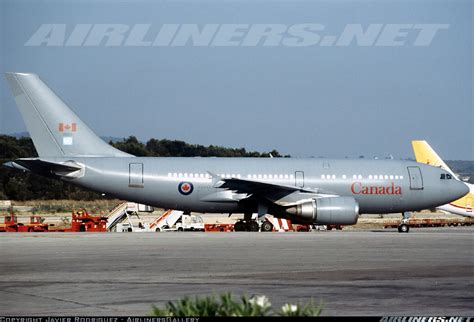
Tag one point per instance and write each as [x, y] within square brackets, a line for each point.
[327, 211]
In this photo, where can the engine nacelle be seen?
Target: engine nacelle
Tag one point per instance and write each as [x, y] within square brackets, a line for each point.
[327, 211]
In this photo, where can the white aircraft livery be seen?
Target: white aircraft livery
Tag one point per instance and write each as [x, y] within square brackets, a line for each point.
[321, 191]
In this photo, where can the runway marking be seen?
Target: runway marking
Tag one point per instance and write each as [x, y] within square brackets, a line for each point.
[56, 299]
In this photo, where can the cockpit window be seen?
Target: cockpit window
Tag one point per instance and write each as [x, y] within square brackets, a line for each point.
[446, 176]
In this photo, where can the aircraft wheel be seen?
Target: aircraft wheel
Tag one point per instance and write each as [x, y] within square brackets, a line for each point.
[267, 226]
[180, 229]
[403, 228]
[239, 226]
[157, 230]
[253, 226]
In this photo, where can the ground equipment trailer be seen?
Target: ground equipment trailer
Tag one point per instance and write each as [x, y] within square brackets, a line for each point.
[218, 227]
[81, 222]
[11, 224]
[405, 224]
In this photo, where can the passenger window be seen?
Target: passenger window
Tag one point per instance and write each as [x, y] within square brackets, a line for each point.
[448, 176]
[443, 176]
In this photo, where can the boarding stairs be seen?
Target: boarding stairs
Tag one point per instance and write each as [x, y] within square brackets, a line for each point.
[168, 218]
[119, 213]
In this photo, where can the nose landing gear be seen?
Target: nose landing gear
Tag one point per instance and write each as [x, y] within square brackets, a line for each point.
[403, 227]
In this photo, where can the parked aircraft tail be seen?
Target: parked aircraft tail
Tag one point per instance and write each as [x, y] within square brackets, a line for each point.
[424, 153]
[55, 129]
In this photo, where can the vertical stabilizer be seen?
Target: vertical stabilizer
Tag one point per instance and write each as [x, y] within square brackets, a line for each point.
[424, 153]
[55, 129]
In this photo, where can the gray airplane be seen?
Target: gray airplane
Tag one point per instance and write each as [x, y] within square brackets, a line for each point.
[318, 191]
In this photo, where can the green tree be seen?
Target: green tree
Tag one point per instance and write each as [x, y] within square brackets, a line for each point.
[132, 145]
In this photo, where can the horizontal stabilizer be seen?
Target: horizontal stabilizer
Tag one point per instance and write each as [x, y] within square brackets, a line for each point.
[47, 168]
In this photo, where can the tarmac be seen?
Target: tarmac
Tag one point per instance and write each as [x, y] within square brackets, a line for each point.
[425, 272]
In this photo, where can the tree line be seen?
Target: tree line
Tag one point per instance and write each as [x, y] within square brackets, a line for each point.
[17, 185]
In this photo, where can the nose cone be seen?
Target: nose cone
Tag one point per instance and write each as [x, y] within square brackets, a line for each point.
[458, 189]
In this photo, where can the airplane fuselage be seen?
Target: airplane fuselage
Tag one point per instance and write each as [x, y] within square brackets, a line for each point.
[379, 186]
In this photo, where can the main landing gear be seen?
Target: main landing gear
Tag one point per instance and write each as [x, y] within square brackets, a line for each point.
[266, 226]
[249, 224]
[243, 225]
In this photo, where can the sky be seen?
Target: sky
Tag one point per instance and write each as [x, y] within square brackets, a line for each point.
[307, 101]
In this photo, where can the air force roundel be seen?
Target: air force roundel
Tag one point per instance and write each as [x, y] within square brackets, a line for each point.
[185, 188]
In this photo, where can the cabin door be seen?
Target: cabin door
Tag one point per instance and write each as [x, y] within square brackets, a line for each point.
[135, 178]
[299, 179]
[416, 179]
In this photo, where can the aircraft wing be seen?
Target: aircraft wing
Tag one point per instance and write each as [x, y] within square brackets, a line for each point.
[283, 195]
[256, 187]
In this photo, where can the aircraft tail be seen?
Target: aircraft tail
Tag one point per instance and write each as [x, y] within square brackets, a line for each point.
[55, 129]
[424, 153]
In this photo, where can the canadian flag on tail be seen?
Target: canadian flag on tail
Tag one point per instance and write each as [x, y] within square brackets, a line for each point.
[65, 127]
